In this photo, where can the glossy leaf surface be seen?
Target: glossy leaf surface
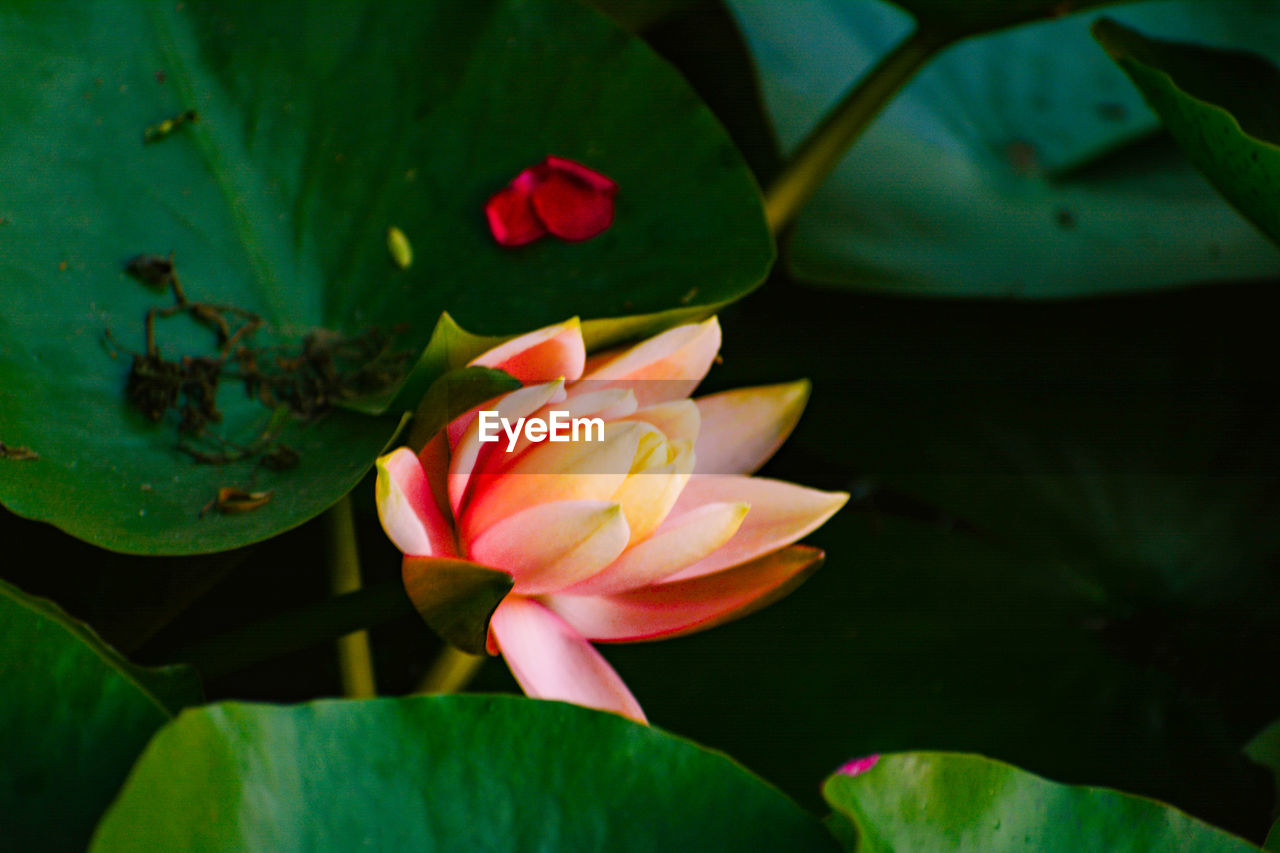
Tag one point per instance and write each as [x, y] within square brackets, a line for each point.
[74, 716]
[481, 773]
[275, 198]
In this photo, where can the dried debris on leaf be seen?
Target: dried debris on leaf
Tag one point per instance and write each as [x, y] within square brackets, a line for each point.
[232, 501]
[154, 270]
[294, 382]
[18, 454]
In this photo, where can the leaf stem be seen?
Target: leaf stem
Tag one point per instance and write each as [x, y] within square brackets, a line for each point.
[451, 672]
[355, 658]
[826, 145]
[297, 629]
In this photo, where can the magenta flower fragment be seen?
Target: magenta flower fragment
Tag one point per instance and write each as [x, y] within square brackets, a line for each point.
[558, 197]
[858, 766]
[648, 526]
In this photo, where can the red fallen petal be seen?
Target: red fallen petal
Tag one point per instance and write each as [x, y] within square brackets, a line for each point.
[511, 219]
[593, 179]
[570, 208]
[530, 178]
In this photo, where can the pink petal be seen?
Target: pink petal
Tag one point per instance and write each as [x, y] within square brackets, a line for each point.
[470, 452]
[457, 427]
[434, 457]
[544, 355]
[683, 607]
[649, 493]
[408, 510]
[678, 420]
[552, 661]
[665, 367]
[590, 177]
[741, 429]
[511, 218]
[675, 545]
[607, 405]
[556, 352]
[781, 513]
[551, 546]
[568, 471]
[571, 209]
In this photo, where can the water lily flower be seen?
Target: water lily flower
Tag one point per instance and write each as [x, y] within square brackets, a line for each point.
[655, 530]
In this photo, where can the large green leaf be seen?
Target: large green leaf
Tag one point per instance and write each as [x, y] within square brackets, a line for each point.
[972, 183]
[1220, 107]
[946, 802]
[320, 126]
[441, 773]
[74, 716]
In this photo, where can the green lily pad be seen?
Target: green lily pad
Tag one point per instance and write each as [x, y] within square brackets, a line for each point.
[946, 802]
[1006, 167]
[963, 17]
[75, 715]
[1265, 750]
[441, 773]
[1220, 107]
[315, 130]
[1273, 838]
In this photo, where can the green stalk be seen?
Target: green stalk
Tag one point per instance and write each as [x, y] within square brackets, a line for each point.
[451, 672]
[355, 658]
[826, 145]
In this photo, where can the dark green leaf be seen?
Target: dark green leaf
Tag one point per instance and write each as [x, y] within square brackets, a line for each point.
[441, 773]
[456, 598]
[1219, 105]
[1008, 167]
[318, 128]
[1265, 750]
[963, 17]
[638, 15]
[949, 802]
[453, 394]
[1273, 839]
[451, 347]
[73, 718]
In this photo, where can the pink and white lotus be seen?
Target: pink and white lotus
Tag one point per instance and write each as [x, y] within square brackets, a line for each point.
[656, 531]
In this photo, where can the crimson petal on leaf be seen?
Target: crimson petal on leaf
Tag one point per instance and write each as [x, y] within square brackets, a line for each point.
[511, 218]
[593, 179]
[570, 208]
[558, 196]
